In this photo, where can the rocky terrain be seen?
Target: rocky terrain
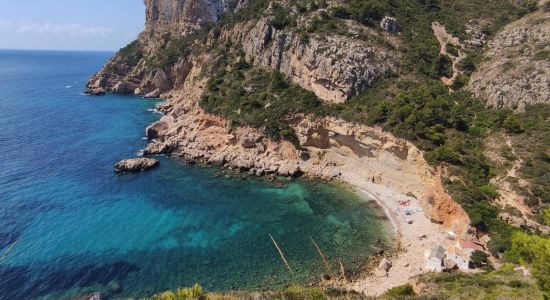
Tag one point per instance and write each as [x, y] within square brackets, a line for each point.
[516, 70]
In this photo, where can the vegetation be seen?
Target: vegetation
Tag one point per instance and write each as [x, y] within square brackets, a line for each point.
[256, 97]
[532, 143]
[131, 54]
[194, 293]
[400, 292]
[505, 283]
[480, 259]
[534, 252]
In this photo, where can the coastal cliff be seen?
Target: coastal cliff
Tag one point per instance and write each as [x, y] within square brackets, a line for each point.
[341, 90]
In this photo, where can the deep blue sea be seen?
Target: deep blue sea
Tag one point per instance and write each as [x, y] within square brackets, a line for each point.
[70, 226]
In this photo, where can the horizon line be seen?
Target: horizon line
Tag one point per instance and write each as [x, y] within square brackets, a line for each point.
[56, 50]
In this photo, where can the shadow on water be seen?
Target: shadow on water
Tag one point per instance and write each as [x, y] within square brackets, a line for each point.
[19, 282]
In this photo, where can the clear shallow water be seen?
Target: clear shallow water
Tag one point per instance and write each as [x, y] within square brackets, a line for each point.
[78, 227]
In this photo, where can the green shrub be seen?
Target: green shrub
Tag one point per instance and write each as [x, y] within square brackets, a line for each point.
[131, 54]
[194, 293]
[479, 259]
[532, 251]
[543, 55]
[401, 291]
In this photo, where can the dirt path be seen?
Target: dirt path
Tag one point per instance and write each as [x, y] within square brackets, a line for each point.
[445, 38]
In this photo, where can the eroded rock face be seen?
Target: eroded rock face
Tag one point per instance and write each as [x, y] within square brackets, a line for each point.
[335, 68]
[512, 75]
[135, 165]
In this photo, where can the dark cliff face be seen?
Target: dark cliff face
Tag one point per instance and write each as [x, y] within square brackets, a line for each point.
[183, 16]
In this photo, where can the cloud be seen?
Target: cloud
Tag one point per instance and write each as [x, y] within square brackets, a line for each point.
[49, 28]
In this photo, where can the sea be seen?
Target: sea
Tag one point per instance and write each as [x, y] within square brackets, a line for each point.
[70, 226]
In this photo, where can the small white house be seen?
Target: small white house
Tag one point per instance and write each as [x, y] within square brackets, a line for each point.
[434, 262]
[461, 259]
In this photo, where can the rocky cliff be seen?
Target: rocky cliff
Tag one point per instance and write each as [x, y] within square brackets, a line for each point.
[516, 68]
[334, 67]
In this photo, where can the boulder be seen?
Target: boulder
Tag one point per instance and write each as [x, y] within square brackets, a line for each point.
[218, 160]
[449, 264]
[95, 91]
[156, 130]
[153, 94]
[135, 165]
[389, 24]
[157, 148]
[123, 87]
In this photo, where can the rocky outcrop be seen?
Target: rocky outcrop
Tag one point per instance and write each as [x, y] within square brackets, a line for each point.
[135, 165]
[335, 68]
[95, 91]
[516, 71]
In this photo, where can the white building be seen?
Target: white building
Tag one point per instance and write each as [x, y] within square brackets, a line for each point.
[434, 262]
[461, 259]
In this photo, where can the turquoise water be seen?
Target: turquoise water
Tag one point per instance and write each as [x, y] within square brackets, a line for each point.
[74, 226]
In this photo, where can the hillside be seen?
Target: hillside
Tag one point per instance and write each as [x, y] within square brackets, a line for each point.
[443, 101]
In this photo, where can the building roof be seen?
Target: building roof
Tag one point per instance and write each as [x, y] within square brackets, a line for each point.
[438, 252]
[470, 245]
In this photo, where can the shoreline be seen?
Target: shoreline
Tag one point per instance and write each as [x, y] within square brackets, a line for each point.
[407, 250]
[413, 241]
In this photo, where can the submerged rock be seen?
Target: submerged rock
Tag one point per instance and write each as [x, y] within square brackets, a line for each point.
[136, 165]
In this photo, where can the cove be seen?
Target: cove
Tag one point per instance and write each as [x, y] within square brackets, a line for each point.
[73, 226]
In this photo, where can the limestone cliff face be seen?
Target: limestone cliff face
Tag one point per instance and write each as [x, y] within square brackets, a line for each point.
[516, 71]
[335, 68]
[183, 16]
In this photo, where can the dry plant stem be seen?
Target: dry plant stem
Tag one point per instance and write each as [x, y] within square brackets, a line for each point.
[280, 253]
[7, 252]
[323, 257]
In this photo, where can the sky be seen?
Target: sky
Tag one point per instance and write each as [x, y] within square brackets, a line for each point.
[95, 25]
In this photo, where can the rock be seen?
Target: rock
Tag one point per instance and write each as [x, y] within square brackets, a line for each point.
[389, 24]
[153, 94]
[96, 296]
[288, 169]
[157, 148]
[156, 130]
[95, 91]
[136, 165]
[249, 143]
[124, 88]
[218, 160]
[335, 174]
[115, 287]
[449, 264]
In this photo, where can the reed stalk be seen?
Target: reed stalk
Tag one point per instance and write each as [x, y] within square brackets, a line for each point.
[281, 253]
[323, 257]
[343, 270]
